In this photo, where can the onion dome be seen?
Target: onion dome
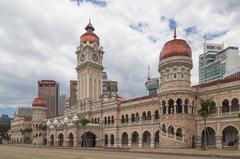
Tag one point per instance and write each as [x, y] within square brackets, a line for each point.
[89, 36]
[66, 120]
[49, 123]
[175, 47]
[55, 122]
[75, 118]
[39, 102]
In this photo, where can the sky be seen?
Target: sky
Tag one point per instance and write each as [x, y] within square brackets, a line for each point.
[38, 40]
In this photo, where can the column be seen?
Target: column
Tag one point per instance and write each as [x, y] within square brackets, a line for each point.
[75, 136]
[238, 141]
[55, 138]
[198, 141]
[183, 136]
[109, 141]
[230, 109]
[129, 142]
[219, 142]
[167, 108]
[174, 133]
[48, 137]
[140, 142]
[65, 138]
[174, 108]
[152, 142]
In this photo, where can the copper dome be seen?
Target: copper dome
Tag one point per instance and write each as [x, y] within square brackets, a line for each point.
[175, 47]
[89, 35]
[39, 102]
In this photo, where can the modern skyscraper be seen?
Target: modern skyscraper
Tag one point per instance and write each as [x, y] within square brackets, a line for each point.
[73, 92]
[61, 104]
[49, 90]
[219, 63]
[25, 111]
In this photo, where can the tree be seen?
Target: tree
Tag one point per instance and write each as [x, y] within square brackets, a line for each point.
[83, 122]
[42, 128]
[207, 108]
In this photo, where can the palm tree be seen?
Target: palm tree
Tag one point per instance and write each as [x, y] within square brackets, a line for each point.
[83, 122]
[43, 128]
[207, 108]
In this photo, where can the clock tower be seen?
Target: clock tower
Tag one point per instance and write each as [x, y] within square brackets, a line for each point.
[89, 67]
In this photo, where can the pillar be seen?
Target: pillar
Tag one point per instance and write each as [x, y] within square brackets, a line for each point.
[238, 141]
[167, 108]
[198, 141]
[140, 142]
[55, 138]
[48, 137]
[152, 142]
[174, 108]
[219, 142]
[129, 142]
[75, 136]
[65, 138]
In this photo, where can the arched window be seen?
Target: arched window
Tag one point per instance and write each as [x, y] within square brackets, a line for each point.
[179, 105]
[186, 106]
[225, 106]
[106, 140]
[234, 105]
[105, 120]
[122, 119]
[149, 115]
[170, 106]
[179, 132]
[137, 117]
[156, 114]
[164, 128]
[212, 107]
[132, 117]
[144, 116]
[109, 120]
[112, 119]
[127, 119]
[112, 139]
[164, 107]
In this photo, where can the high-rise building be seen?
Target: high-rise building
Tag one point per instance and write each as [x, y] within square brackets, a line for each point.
[49, 90]
[25, 111]
[61, 104]
[219, 63]
[110, 87]
[73, 92]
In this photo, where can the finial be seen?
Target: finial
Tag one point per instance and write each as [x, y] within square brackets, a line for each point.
[89, 20]
[175, 33]
[148, 72]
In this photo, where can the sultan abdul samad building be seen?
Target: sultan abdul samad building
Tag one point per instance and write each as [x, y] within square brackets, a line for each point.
[168, 119]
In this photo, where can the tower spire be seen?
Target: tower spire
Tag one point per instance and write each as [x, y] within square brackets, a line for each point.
[175, 33]
[148, 72]
[89, 27]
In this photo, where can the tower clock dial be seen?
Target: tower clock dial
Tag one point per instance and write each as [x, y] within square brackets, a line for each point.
[82, 57]
[95, 57]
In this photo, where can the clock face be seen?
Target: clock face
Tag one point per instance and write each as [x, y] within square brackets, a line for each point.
[95, 57]
[82, 57]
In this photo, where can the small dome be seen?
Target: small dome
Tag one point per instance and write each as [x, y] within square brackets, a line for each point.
[66, 120]
[89, 36]
[75, 118]
[49, 123]
[55, 122]
[39, 102]
[175, 47]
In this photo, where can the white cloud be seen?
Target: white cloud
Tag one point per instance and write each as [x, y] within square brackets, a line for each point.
[39, 39]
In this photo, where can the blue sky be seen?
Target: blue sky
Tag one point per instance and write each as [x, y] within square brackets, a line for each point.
[131, 32]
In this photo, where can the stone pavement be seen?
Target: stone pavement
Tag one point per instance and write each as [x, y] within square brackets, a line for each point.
[187, 152]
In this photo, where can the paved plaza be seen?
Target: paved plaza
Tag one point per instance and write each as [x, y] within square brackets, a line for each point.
[29, 152]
